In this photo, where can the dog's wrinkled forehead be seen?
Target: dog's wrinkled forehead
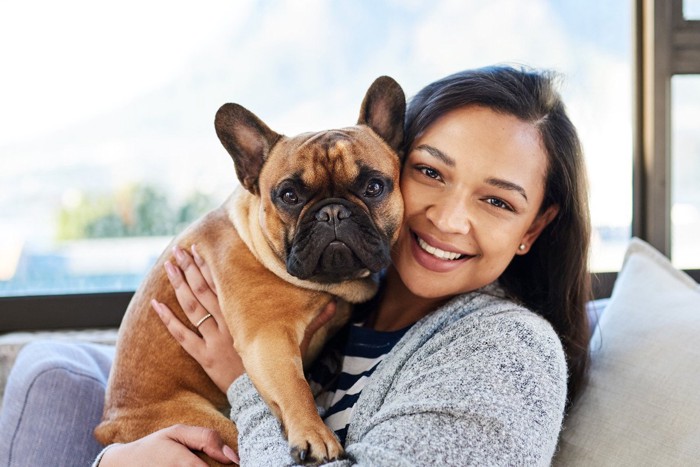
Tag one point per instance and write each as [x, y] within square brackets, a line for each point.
[332, 153]
[335, 163]
[333, 157]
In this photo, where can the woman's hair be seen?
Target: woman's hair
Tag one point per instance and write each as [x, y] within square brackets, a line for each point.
[552, 279]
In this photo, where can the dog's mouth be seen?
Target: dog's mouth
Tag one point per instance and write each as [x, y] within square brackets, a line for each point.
[337, 262]
[337, 255]
[347, 247]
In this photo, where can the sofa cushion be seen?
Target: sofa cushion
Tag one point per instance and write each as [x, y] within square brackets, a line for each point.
[641, 405]
[10, 345]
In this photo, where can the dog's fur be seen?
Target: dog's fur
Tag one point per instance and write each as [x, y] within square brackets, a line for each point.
[276, 263]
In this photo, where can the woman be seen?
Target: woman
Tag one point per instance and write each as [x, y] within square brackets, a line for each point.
[478, 320]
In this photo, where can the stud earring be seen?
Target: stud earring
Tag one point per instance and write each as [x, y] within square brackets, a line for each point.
[521, 247]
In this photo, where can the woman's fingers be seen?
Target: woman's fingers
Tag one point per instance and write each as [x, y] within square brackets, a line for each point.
[202, 439]
[212, 346]
[204, 268]
[189, 303]
[197, 283]
[215, 354]
[190, 341]
[170, 446]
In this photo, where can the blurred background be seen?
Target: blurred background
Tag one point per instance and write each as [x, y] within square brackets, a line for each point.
[107, 144]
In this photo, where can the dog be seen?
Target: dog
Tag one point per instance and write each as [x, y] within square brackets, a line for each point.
[313, 219]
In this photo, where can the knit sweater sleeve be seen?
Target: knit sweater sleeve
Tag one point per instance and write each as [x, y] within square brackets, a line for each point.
[260, 438]
[487, 389]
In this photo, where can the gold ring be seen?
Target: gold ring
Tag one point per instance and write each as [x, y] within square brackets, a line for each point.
[204, 318]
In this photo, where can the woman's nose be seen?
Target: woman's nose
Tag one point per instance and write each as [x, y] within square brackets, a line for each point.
[449, 216]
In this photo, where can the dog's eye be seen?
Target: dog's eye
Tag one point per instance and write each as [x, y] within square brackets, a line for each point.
[289, 196]
[374, 188]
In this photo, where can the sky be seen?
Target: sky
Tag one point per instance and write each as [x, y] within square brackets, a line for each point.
[67, 61]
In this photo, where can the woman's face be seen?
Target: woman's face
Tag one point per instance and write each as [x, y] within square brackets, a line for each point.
[472, 185]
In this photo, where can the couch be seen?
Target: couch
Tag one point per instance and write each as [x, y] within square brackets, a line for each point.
[641, 404]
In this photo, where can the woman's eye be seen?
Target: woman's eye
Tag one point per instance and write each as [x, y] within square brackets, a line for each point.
[499, 203]
[428, 172]
[374, 188]
[289, 197]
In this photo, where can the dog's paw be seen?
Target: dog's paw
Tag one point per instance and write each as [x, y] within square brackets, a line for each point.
[315, 447]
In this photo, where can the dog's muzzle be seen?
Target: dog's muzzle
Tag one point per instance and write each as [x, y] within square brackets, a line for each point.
[337, 240]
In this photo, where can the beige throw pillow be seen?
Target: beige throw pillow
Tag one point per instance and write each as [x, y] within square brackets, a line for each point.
[641, 406]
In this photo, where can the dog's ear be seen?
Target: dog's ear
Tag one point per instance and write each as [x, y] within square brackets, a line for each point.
[247, 139]
[383, 110]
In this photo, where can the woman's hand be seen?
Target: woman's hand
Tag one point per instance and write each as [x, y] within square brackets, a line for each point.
[212, 347]
[171, 446]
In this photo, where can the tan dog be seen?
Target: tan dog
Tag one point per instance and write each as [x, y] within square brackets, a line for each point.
[315, 218]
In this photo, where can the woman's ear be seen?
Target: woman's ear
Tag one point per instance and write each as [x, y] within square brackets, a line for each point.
[536, 228]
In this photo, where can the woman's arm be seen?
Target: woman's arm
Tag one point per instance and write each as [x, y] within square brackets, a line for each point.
[489, 391]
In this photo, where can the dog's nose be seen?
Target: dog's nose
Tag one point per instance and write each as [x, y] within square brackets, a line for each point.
[332, 213]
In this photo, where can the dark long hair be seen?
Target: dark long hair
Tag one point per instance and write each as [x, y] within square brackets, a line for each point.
[552, 279]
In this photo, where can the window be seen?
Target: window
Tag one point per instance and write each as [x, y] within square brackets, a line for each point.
[667, 198]
[691, 9]
[108, 145]
[685, 170]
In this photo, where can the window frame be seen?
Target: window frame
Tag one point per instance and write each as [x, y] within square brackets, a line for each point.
[69, 311]
[665, 44]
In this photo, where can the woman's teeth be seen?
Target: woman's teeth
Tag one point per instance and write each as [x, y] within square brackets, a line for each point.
[438, 253]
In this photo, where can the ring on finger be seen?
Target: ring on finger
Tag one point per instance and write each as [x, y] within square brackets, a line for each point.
[202, 319]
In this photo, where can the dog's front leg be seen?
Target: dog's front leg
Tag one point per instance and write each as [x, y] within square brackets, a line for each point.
[273, 362]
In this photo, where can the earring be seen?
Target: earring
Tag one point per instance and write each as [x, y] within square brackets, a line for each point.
[521, 247]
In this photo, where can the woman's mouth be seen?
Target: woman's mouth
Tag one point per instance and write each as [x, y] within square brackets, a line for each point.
[437, 252]
[434, 258]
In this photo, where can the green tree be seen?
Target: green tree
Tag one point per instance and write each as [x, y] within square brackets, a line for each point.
[136, 210]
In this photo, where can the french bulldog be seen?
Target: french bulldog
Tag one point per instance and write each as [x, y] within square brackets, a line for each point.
[313, 219]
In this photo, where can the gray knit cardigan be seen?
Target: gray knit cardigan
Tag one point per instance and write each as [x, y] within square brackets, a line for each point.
[480, 381]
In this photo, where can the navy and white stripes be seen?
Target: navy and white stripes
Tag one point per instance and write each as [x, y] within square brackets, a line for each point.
[358, 351]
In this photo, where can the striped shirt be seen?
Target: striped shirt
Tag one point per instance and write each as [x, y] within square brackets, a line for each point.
[338, 377]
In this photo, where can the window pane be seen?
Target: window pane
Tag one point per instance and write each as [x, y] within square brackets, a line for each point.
[685, 189]
[107, 145]
[691, 9]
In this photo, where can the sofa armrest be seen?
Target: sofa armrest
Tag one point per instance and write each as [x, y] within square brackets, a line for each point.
[10, 345]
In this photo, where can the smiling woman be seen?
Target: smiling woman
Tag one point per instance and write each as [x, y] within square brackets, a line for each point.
[488, 169]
